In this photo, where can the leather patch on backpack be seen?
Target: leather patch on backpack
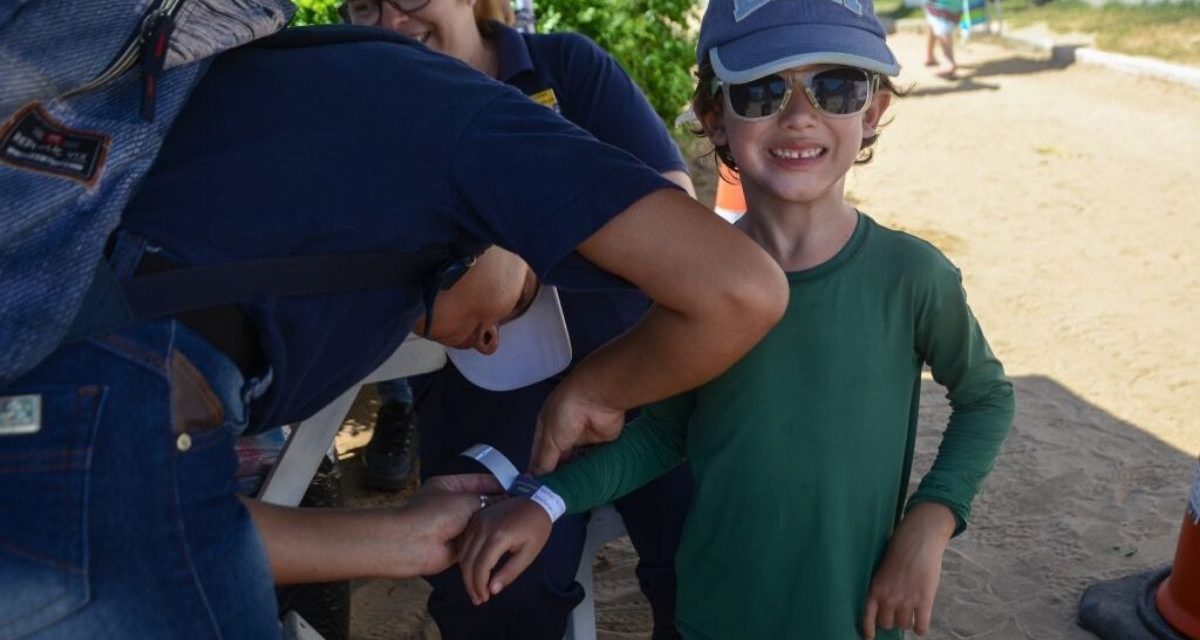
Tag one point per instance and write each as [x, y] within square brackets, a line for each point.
[34, 141]
[194, 405]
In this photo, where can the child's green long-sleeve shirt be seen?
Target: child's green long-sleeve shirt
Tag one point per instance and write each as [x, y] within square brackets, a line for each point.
[802, 450]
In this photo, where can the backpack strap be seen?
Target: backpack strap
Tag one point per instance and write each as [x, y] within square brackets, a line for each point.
[111, 304]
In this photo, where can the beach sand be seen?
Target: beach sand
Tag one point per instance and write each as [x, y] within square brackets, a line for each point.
[1065, 195]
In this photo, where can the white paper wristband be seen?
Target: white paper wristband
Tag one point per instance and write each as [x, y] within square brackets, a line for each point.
[551, 502]
[496, 462]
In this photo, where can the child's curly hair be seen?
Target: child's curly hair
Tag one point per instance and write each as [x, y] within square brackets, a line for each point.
[705, 101]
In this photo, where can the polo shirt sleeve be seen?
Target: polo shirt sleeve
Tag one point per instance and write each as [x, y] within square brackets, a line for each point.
[538, 185]
[981, 397]
[650, 445]
[603, 99]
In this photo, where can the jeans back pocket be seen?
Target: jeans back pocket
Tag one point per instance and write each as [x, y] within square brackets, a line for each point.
[46, 436]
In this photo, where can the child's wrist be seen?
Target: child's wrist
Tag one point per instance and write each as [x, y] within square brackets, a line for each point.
[527, 486]
[934, 517]
[518, 485]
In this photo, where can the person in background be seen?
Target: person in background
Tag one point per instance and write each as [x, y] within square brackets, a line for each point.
[569, 75]
[941, 21]
[802, 451]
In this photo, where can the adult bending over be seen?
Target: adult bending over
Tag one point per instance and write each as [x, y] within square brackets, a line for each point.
[123, 514]
[569, 74]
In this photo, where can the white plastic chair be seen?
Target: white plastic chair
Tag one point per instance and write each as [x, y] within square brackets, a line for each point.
[312, 439]
[604, 526]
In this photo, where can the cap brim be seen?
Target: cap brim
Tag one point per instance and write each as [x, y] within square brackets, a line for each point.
[789, 46]
[532, 348]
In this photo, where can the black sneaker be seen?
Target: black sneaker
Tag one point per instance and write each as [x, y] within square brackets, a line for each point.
[390, 456]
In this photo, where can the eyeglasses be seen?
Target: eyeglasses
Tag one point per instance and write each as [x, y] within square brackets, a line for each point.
[839, 92]
[524, 303]
[447, 276]
[370, 12]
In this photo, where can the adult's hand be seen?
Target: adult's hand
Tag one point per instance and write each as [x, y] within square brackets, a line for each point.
[570, 418]
[715, 294]
[325, 545]
[439, 513]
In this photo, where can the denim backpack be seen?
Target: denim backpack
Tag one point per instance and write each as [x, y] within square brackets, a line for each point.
[88, 90]
[86, 122]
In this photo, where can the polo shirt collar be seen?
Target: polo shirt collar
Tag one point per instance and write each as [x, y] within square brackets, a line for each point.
[513, 52]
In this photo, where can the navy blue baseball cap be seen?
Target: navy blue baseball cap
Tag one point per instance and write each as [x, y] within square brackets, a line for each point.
[749, 39]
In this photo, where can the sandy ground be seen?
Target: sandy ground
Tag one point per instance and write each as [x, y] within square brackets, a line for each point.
[1065, 196]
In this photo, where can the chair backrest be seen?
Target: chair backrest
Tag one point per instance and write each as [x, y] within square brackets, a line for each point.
[604, 525]
[312, 438]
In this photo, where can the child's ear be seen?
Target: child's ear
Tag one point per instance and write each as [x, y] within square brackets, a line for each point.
[714, 126]
[874, 113]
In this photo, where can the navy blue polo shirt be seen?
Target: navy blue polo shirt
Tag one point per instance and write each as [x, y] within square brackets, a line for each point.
[315, 141]
[574, 76]
[570, 74]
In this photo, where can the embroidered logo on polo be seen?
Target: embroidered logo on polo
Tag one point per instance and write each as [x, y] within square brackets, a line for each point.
[34, 141]
[546, 98]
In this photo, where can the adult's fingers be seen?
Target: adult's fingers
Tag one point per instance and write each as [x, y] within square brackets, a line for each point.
[546, 452]
[465, 483]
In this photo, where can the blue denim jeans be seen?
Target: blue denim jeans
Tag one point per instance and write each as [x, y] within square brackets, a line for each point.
[119, 516]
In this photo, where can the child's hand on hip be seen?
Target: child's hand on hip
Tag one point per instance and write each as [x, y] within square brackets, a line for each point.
[516, 526]
[906, 582]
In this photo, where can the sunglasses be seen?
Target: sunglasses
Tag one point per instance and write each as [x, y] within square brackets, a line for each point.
[838, 92]
[370, 12]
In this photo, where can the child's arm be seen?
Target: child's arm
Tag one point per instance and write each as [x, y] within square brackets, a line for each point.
[905, 584]
[649, 446]
[981, 399]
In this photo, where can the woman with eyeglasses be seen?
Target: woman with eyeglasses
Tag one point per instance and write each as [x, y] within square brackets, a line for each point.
[802, 524]
[570, 75]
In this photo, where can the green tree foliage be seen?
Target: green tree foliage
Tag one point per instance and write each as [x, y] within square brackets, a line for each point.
[316, 12]
[650, 38]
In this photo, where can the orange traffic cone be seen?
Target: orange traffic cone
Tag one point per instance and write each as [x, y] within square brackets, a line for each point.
[1178, 598]
[730, 201]
[1160, 604]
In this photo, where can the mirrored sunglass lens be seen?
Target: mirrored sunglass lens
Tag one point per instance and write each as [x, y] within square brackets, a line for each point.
[841, 91]
[758, 98]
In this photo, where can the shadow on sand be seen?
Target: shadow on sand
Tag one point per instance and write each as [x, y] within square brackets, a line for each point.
[1077, 496]
[969, 77]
